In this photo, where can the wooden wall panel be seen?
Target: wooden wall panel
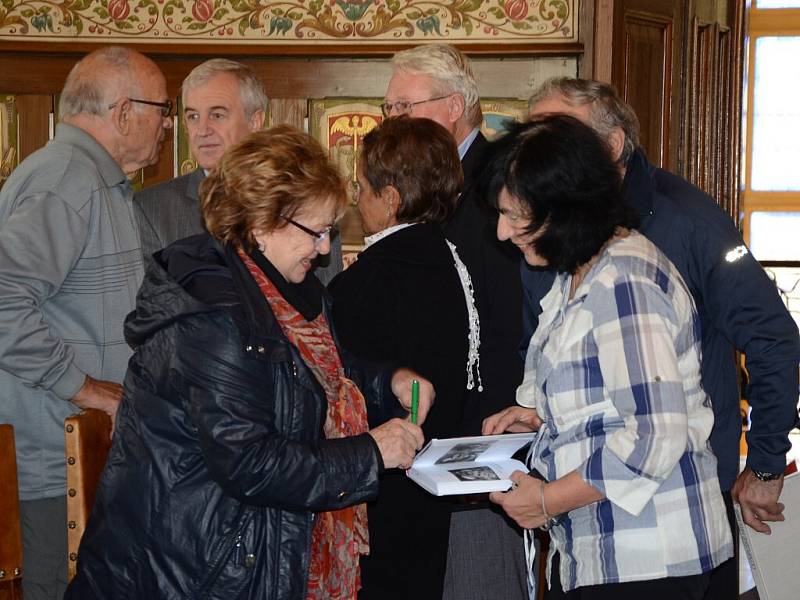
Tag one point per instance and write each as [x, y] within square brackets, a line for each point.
[509, 77]
[647, 79]
[291, 111]
[290, 83]
[164, 169]
[646, 69]
[34, 122]
[679, 63]
[710, 151]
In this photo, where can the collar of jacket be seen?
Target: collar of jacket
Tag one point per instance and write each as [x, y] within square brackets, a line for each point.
[108, 168]
[473, 163]
[637, 187]
[193, 182]
[197, 275]
[418, 246]
[261, 335]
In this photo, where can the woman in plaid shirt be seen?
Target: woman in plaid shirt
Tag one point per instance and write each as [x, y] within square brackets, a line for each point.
[623, 474]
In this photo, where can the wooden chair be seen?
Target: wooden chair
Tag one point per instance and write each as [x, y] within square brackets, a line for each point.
[88, 439]
[10, 530]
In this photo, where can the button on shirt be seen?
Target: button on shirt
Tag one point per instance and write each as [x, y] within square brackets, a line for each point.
[615, 374]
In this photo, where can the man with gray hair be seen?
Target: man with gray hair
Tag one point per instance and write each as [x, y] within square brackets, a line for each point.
[70, 267]
[737, 304]
[485, 556]
[223, 101]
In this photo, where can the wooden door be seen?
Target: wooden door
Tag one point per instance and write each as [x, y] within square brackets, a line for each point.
[679, 64]
[646, 69]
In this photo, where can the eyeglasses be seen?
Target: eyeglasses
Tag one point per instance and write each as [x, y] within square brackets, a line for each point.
[319, 236]
[403, 107]
[166, 107]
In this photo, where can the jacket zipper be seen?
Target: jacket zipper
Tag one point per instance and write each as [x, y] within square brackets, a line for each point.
[239, 551]
[236, 545]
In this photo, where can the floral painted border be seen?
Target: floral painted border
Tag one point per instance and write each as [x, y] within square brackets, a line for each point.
[291, 21]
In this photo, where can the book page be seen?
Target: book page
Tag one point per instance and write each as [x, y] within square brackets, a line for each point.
[476, 449]
[465, 471]
[466, 477]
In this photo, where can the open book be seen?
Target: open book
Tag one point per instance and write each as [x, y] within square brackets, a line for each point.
[469, 465]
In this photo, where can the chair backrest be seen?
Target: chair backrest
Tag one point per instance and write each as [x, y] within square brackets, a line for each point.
[87, 438]
[10, 531]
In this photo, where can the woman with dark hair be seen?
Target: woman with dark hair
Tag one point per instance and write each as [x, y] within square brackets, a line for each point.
[408, 299]
[241, 416]
[622, 471]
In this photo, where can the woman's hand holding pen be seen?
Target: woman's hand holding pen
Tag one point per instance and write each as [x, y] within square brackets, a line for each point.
[514, 419]
[398, 441]
[401, 387]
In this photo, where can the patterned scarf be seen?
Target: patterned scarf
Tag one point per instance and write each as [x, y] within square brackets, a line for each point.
[339, 537]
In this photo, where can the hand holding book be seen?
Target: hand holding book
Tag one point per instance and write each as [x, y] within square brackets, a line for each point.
[514, 419]
[468, 465]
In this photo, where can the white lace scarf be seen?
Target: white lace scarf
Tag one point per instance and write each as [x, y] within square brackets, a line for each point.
[473, 356]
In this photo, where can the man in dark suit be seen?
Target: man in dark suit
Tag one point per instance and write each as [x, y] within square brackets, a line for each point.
[223, 101]
[436, 81]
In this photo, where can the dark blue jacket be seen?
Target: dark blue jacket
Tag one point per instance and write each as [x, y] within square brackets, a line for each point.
[219, 461]
[738, 305]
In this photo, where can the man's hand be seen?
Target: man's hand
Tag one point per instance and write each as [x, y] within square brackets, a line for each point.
[516, 419]
[758, 500]
[401, 387]
[102, 395]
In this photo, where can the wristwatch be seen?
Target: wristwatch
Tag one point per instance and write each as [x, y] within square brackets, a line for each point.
[766, 475]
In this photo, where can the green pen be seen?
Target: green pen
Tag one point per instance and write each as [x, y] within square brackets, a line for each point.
[414, 400]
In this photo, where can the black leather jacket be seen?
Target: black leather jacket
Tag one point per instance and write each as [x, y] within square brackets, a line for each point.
[218, 460]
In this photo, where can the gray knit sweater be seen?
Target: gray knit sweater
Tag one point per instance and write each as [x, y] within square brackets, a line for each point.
[70, 267]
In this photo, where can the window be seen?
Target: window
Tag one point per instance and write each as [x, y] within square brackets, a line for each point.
[771, 198]
[777, 3]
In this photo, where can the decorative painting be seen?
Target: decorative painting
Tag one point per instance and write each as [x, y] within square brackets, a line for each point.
[184, 162]
[8, 137]
[340, 124]
[292, 21]
[497, 112]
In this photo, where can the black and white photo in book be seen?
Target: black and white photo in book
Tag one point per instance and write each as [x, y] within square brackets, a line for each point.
[469, 465]
[464, 452]
[475, 474]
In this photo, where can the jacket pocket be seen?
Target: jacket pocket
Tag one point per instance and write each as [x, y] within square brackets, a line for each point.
[232, 567]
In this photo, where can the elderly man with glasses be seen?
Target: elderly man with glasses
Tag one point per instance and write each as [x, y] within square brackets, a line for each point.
[436, 81]
[70, 267]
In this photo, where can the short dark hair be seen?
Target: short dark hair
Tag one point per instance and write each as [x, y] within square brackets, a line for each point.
[563, 175]
[419, 158]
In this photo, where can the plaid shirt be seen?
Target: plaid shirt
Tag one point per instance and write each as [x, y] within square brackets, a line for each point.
[615, 374]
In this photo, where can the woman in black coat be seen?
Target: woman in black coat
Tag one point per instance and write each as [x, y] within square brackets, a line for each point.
[408, 299]
[240, 419]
